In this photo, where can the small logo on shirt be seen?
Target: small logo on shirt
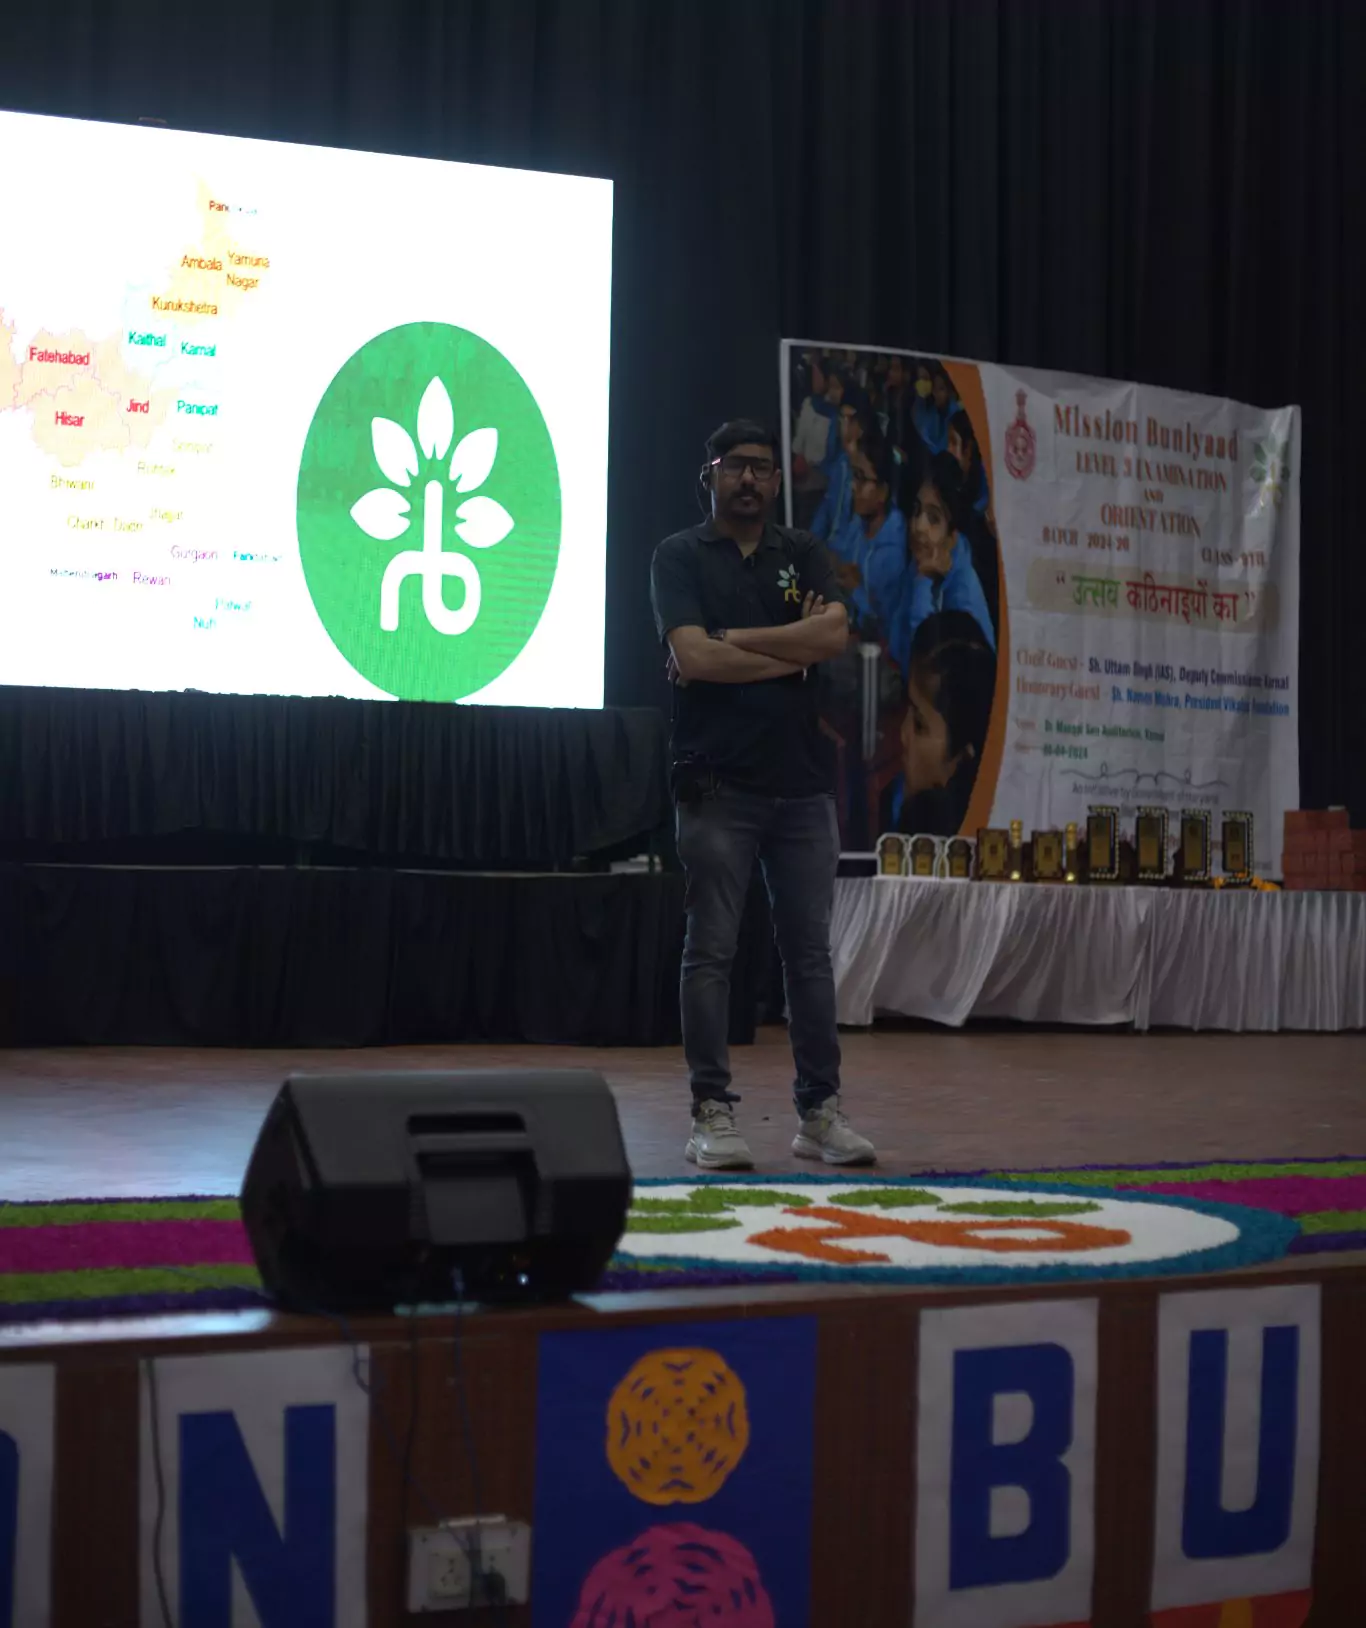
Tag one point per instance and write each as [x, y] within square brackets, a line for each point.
[787, 581]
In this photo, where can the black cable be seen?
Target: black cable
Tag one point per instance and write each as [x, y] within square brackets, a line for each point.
[409, 1441]
[159, 1474]
[462, 1390]
[370, 1388]
[402, 1456]
[158, 1466]
[471, 1452]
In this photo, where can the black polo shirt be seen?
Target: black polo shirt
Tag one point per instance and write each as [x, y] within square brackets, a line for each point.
[763, 738]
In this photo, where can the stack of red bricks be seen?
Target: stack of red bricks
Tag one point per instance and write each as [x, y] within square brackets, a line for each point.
[1322, 851]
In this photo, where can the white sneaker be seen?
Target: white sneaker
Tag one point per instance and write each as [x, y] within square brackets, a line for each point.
[826, 1134]
[715, 1144]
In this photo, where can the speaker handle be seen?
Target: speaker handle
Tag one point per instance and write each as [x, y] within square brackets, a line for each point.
[473, 1142]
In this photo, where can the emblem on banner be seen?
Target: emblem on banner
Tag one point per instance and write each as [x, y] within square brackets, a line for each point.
[1020, 442]
[1270, 471]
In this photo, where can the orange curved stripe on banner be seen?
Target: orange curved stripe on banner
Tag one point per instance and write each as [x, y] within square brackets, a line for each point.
[967, 383]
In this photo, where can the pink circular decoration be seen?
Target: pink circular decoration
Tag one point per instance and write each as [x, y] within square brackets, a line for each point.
[677, 1576]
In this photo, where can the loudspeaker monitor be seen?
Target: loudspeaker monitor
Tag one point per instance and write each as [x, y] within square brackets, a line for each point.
[365, 1191]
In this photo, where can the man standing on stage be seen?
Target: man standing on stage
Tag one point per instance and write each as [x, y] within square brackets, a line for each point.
[748, 609]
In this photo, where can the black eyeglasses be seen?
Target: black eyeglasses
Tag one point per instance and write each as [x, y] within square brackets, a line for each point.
[735, 464]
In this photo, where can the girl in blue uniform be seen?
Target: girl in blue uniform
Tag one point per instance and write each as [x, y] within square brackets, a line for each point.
[944, 577]
[962, 446]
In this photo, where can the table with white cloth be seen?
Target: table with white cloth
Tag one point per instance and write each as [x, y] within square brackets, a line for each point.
[1187, 958]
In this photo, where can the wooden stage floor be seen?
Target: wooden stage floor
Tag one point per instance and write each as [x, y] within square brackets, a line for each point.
[118, 1123]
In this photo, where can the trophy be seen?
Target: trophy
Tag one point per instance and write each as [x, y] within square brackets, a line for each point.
[924, 856]
[958, 859]
[1070, 852]
[993, 854]
[891, 855]
[1150, 844]
[1194, 845]
[1016, 850]
[1237, 847]
[1102, 844]
[1050, 862]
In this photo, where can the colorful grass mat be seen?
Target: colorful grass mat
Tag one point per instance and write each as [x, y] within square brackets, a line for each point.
[114, 1257]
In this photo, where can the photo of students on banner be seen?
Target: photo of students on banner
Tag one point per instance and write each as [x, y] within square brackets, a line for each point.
[886, 468]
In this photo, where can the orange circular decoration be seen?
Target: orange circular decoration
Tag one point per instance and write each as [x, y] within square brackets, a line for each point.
[677, 1425]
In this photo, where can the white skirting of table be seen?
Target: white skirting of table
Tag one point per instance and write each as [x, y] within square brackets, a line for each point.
[1153, 957]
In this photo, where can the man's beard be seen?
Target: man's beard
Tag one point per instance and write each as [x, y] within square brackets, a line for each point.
[746, 506]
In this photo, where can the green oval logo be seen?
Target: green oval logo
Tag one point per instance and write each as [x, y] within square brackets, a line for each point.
[429, 512]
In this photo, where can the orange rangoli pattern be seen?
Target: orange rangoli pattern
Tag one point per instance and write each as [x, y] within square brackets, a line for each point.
[832, 1243]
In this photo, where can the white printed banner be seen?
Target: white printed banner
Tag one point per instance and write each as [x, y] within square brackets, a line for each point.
[1069, 592]
[1156, 576]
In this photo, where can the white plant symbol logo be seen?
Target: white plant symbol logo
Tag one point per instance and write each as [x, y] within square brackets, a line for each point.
[480, 522]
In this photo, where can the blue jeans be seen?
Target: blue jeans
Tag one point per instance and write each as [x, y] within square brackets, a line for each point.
[796, 841]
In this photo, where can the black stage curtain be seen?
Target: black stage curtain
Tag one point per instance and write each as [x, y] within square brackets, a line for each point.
[1156, 189]
[469, 786]
[255, 956]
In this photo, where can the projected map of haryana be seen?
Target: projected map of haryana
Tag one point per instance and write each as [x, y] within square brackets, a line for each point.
[89, 393]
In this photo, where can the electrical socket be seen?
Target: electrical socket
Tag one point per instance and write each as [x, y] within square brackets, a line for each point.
[469, 1562]
[449, 1576]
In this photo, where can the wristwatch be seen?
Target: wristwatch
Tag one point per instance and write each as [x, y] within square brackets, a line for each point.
[719, 634]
